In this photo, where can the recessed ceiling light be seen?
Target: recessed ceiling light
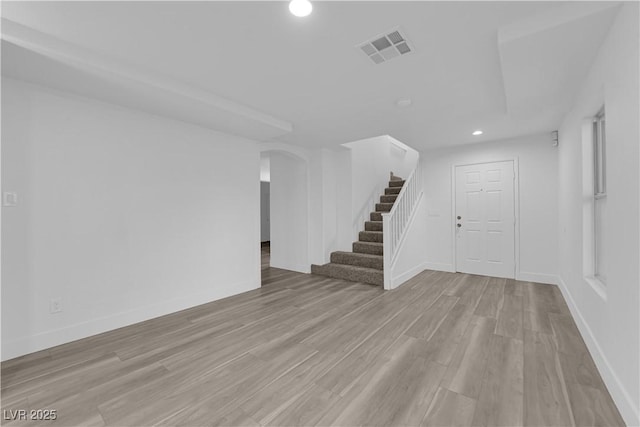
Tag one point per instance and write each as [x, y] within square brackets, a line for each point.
[477, 132]
[403, 103]
[300, 8]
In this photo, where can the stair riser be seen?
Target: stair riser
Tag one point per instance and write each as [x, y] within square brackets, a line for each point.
[388, 199]
[363, 248]
[383, 207]
[370, 236]
[358, 261]
[374, 277]
[373, 226]
[396, 183]
[375, 216]
[392, 190]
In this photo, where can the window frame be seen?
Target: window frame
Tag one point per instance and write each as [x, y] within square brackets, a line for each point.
[599, 155]
[599, 187]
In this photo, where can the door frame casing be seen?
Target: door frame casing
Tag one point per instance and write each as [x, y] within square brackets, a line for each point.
[516, 211]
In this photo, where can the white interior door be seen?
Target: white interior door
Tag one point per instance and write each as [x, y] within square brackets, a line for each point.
[485, 219]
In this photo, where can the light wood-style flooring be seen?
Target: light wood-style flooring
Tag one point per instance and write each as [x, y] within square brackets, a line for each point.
[444, 349]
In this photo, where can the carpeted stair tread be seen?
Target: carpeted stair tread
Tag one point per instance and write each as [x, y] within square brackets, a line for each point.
[359, 260]
[367, 248]
[388, 198]
[392, 190]
[383, 207]
[398, 183]
[373, 226]
[370, 236]
[350, 272]
[375, 216]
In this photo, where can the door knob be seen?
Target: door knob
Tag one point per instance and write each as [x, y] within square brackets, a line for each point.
[459, 217]
[459, 225]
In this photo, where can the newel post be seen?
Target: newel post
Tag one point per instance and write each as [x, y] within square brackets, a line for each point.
[386, 249]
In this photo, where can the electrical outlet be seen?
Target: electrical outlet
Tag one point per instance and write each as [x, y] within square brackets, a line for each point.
[55, 305]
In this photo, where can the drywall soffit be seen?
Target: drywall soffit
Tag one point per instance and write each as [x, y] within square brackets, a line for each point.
[38, 58]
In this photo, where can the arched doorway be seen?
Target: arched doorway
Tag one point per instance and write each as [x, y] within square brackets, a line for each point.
[288, 209]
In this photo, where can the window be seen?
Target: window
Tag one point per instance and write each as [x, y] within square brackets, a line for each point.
[599, 197]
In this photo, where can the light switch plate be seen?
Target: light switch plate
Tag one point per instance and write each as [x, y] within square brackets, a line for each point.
[9, 198]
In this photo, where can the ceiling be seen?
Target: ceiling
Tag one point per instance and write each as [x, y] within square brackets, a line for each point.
[251, 68]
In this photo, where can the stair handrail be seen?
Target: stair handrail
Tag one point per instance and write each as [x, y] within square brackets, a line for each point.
[395, 222]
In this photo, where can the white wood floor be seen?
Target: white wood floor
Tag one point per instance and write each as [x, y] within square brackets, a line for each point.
[443, 349]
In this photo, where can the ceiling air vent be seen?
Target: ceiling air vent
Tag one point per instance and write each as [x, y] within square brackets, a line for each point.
[386, 46]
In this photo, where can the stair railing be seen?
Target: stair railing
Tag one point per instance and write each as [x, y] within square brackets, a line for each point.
[394, 223]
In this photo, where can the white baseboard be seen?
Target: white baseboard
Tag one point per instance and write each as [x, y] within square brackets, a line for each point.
[437, 266]
[628, 408]
[549, 279]
[48, 339]
[399, 280]
[305, 268]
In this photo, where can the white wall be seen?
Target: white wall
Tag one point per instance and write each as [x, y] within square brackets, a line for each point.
[610, 325]
[316, 203]
[537, 161]
[369, 171]
[336, 206]
[289, 212]
[343, 191]
[330, 207]
[123, 215]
